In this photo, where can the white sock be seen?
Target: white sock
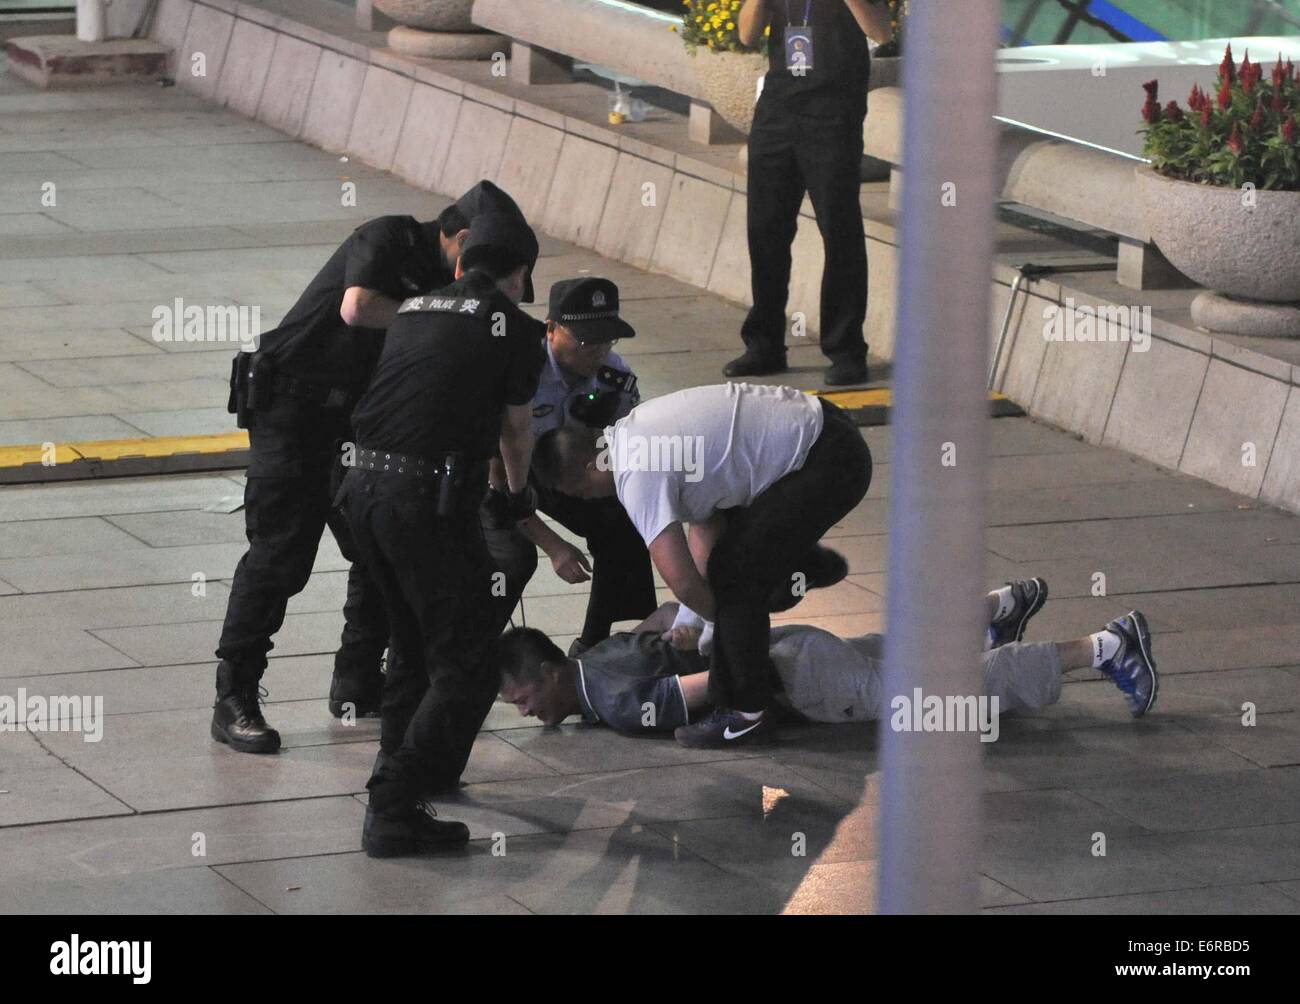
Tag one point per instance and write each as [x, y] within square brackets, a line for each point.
[1006, 603]
[1104, 646]
[750, 716]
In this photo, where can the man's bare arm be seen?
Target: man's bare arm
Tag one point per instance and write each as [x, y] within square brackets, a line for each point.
[517, 444]
[873, 18]
[754, 17]
[672, 556]
[366, 308]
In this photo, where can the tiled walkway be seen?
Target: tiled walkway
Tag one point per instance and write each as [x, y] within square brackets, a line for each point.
[161, 197]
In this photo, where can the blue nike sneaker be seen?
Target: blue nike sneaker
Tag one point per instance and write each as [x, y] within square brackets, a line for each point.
[724, 729]
[1029, 595]
[1132, 668]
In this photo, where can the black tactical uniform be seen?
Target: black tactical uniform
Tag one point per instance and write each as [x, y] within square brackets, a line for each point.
[295, 396]
[426, 430]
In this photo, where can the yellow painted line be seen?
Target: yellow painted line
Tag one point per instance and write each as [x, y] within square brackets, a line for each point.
[21, 456]
[876, 397]
[163, 446]
[121, 449]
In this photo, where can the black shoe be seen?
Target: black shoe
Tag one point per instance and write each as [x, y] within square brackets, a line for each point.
[755, 364]
[846, 373]
[237, 716]
[417, 831]
[364, 697]
[724, 729]
[1028, 597]
[824, 568]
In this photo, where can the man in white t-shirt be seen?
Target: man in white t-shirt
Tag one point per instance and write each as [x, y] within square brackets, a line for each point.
[759, 474]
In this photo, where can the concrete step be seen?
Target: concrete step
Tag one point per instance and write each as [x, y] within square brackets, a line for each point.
[60, 61]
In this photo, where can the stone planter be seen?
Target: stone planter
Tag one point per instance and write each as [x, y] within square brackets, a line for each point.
[438, 29]
[1250, 256]
[430, 15]
[729, 81]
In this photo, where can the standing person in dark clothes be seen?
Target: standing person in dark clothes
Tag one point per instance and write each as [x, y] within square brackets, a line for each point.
[295, 396]
[455, 381]
[807, 137]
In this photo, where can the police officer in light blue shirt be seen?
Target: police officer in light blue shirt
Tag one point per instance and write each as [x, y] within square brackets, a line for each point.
[583, 382]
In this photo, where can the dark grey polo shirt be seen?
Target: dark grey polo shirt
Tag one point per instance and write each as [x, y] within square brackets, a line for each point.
[630, 683]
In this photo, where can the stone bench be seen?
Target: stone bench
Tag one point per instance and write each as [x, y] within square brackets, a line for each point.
[548, 36]
[1072, 181]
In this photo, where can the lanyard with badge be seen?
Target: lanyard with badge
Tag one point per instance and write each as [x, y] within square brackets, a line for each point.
[799, 41]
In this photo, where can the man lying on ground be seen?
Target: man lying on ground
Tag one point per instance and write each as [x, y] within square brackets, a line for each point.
[655, 679]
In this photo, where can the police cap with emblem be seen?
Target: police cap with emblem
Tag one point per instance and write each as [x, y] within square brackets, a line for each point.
[486, 197]
[588, 307]
[504, 232]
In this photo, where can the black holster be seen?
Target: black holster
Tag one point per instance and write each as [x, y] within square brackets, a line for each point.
[250, 386]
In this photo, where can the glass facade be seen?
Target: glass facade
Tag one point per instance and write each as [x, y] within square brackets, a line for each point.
[1083, 22]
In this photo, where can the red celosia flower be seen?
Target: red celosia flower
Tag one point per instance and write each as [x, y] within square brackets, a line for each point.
[1235, 143]
[1173, 113]
[1194, 99]
[1289, 130]
[1151, 112]
[1228, 69]
[1257, 120]
[1152, 87]
[1247, 74]
[1279, 71]
[1207, 110]
[1225, 95]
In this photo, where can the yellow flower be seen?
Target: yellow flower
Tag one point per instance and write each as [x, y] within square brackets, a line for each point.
[731, 26]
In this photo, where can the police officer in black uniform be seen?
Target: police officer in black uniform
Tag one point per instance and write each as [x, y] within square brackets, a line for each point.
[295, 396]
[807, 137]
[455, 381]
[583, 382]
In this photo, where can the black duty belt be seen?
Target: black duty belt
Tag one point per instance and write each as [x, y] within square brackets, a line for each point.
[326, 397]
[392, 462]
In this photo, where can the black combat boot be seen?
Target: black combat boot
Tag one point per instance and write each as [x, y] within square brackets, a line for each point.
[364, 691]
[415, 830]
[237, 716]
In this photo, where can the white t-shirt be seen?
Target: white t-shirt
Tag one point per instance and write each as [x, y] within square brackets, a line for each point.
[682, 457]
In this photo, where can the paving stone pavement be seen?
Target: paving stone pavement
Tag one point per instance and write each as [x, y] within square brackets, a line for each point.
[160, 196]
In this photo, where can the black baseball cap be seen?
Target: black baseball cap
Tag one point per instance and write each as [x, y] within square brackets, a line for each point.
[505, 232]
[485, 197]
[589, 308]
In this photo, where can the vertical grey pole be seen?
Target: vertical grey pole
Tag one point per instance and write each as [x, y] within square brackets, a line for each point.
[931, 786]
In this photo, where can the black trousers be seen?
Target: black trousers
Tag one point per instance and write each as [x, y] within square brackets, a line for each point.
[436, 578]
[622, 577]
[788, 156]
[764, 545]
[294, 465]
